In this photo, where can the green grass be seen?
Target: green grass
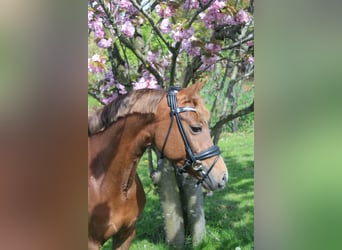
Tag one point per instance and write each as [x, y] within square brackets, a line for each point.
[92, 102]
[229, 213]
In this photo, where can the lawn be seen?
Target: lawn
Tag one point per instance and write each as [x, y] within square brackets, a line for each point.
[229, 213]
[92, 102]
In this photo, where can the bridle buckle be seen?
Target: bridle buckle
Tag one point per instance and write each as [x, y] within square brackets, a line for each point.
[197, 165]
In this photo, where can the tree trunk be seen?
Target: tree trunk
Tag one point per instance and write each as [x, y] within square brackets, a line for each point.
[217, 128]
[216, 134]
[193, 208]
[182, 205]
[164, 178]
[231, 97]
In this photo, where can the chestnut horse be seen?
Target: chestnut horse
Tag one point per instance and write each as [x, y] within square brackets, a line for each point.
[118, 135]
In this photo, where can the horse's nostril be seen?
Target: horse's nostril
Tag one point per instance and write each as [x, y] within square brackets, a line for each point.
[222, 184]
[224, 178]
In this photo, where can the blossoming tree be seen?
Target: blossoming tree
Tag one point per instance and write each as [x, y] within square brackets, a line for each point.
[157, 44]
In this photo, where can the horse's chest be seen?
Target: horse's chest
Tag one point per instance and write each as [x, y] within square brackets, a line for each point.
[118, 212]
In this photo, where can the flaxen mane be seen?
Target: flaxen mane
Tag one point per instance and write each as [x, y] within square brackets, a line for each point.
[143, 101]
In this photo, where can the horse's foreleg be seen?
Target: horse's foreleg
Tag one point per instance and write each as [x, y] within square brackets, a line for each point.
[123, 244]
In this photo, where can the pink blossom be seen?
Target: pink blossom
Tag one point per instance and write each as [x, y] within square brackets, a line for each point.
[125, 10]
[230, 20]
[104, 43]
[213, 47]
[242, 17]
[187, 45]
[96, 64]
[94, 67]
[250, 43]
[250, 59]
[191, 4]
[169, 11]
[208, 60]
[104, 87]
[99, 8]
[179, 33]
[166, 60]
[125, 4]
[139, 20]
[109, 99]
[159, 10]
[107, 90]
[165, 26]
[127, 7]
[187, 33]
[97, 27]
[152, 56]
[202, 15]
[121, 88]
[98, 58]
[90, 67]
[218, 5]
[165, 10]
[211, 18]
[204, 1]
[128, 29]
[146, 81]
[213, 15]
[90, 17]
[109, 78]
[207, 19]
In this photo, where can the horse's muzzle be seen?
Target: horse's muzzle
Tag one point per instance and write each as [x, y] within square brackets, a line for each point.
[210, 180]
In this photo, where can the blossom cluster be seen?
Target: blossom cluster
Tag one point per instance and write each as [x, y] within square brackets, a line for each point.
[215, 16]
[180, 33]
[95, 24]
[212, 18]
[125, 18]
[146, 81]
[121, 14]
[164, 10]
[96, 64]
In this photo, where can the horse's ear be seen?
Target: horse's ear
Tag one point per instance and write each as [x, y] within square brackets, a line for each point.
[185, 95]
[200, 84]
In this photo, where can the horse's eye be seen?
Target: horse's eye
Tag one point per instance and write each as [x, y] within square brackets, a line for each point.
[196, 129]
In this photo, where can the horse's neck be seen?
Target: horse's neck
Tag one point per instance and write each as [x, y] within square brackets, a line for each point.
[116, 152]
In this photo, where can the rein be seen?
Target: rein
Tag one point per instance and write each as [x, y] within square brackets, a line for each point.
[193, 160]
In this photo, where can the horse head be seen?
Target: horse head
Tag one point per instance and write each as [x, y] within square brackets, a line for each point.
[182, 135]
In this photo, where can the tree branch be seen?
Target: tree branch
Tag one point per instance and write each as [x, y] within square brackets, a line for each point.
[129, 45]
[230, 117]
[203, 8]
[226, 69]
[141, 58]
[242, 77]
[238, 43]
[173, 63]
[154, 27]
[191, 69]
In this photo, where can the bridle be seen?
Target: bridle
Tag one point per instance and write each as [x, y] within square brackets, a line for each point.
[192, 160]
